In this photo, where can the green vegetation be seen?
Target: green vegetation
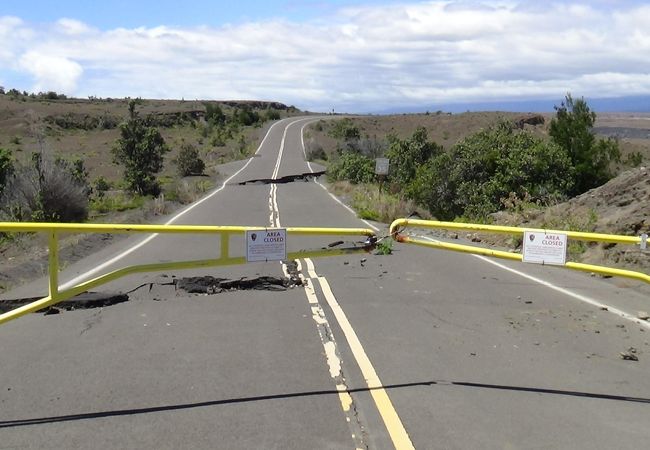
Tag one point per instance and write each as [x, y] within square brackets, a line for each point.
[6, 167]
[103, 204]
[488, 171]
[592, 158]
[409, 154]
[188, 161]
[214, 114]
[101, 186]
[371, 205]
[481, 171]
[344, 129]
[384, 247]
[141, 150]
[634, 159]
[271, 114]
[353, 167]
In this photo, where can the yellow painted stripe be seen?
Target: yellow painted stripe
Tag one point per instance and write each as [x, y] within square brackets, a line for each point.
[396, 430]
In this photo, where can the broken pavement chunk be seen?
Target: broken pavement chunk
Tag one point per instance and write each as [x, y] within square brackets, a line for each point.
[630, 354]
[212, 285]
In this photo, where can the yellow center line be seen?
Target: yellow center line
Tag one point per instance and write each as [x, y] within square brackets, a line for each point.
[396, 430]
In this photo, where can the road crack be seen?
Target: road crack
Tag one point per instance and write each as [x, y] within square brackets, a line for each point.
[307, 176]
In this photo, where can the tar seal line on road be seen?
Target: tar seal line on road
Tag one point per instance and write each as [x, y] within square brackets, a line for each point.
[393, 423]
[332, 355]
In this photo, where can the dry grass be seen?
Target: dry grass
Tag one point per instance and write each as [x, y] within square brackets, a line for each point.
[369, 204]
[189, 190]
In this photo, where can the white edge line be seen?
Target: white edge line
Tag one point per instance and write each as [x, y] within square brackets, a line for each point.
[583, 298]
[130, 250]
[304, 152]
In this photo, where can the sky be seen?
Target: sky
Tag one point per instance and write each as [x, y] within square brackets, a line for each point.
[342, 55]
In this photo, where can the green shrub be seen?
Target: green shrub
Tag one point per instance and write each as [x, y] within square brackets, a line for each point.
[272, 114]
[482, 170]
[188, 161]
[214, 114]
[217, 141]
[384, 247]
[6, 167]
[407, 155]
[344, 129]
[101, 185]
[245, 116]
[634, 159]
[352, 167]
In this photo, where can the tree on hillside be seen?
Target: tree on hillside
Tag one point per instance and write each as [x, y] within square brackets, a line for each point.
[140, 149]
[592, 158]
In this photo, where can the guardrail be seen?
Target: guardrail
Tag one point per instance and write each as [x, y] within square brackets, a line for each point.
[400, 224]
[54, 229]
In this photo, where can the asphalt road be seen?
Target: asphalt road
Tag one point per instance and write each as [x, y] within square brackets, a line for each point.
[422, 348]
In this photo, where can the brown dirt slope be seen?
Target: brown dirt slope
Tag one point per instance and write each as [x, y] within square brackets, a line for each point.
[621, 206]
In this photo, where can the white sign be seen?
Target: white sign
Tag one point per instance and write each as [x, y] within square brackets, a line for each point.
[544, 248]
[266, 245]
[381, 166]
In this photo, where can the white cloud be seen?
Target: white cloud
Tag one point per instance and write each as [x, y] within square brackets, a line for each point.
[73, 27]
[363, 58]
[51, 73]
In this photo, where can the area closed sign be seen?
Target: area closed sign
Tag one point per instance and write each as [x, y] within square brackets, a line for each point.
[266, 245]
[544, 248]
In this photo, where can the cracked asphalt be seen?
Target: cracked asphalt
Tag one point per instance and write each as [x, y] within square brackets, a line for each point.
[469, 353]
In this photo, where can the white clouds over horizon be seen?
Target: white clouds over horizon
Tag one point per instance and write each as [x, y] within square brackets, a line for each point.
[362, 59]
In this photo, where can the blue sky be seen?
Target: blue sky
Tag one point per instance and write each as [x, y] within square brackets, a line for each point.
[137, 13]
[345, 54]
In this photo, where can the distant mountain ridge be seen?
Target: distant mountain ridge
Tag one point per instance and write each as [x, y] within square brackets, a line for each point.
[610, 104]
